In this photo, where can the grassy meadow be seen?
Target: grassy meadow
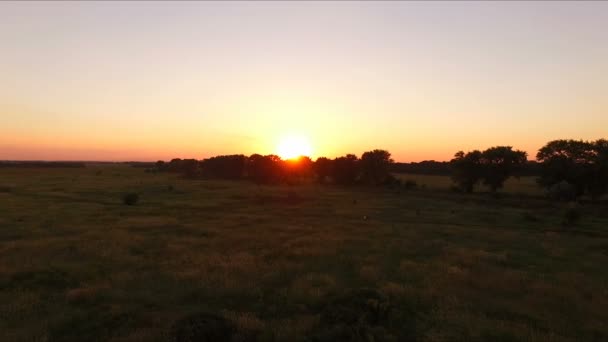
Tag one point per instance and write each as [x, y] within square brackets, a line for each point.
[293, 263]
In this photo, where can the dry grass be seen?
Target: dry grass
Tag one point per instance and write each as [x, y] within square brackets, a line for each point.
[75, 263]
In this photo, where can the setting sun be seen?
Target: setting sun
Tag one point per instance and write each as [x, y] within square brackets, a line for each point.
[293, 146]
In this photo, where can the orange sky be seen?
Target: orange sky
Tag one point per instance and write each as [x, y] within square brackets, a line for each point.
[148, 81]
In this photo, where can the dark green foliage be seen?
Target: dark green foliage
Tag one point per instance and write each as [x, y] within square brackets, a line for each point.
[492, 166]
[375, 166]
[224, 167]
[355, 315]
[410, 184]
[572, 215]
[323, 169]
[201, 327]
[130, 199]
[345, 170]
[265, 169]
[528, 216]
[499, 163]
[466, 169]
[562, 191]
[45, 280]
[580, 163]
[90, 325]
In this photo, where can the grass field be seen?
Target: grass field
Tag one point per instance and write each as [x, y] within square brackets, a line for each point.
[293, 263]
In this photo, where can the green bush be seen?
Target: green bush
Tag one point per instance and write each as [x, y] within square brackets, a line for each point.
[202, 327]
[130, 198]
[410, 184]
[572, 215]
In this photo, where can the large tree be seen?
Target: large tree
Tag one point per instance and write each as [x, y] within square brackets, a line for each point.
[345, 169]
[499, 163]
[375, 166]
[323, 169]
[566, 161]
[466, 169]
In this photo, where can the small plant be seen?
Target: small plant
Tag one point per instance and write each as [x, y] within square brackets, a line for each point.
[170, 187]
[202, 327]
[130, 198]
[528, 216]
[410, 184]
[5, 188]
[572, 215]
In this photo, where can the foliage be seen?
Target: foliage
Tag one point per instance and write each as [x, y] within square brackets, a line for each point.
[499, 163]
[375, 166]
[323, 169]
[582, 164]
[467, 169]
[492, 166]
[202, 327]
[224, 167]
[345, 170]
[130, 198]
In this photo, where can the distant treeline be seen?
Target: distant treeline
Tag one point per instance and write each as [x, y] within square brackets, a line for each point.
[57, 164]
[432, 167]
[566, 168]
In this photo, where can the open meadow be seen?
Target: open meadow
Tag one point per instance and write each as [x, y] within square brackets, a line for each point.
[293, 263]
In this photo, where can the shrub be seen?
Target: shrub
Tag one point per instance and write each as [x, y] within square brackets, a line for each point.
[572, 215]
[130, 198]
[528, 216]
[410, 184]
[5, 188]
[202, 327]
[562, 191]
[355, 315]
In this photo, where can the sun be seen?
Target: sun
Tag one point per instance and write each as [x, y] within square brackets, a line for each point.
[293, 146]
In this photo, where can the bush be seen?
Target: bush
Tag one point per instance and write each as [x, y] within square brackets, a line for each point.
[410, 184]
[5, 188]
[528, 216]
[130, 198]
[562, 191]
[202, 327]
[355, 315]
[572, 215]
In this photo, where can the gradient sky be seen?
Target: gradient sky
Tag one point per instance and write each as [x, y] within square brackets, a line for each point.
[147, 81]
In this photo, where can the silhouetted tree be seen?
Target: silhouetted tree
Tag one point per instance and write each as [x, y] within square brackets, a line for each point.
[466, 169]
[345, 169]
[297, 169]
[225, 167]
[323, 169]
[598, 173]
[375, 166]
[265, 169]
[566, 160]
[499, 163]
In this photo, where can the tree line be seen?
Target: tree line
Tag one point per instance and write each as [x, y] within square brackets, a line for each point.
[372, 168]
[566, 168]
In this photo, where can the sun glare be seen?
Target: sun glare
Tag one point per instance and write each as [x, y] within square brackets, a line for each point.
[293, 146]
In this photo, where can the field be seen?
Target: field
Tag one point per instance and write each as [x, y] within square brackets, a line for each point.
[293, 263]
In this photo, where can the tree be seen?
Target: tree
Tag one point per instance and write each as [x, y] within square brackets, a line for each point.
[598, 174]
[345, 169]
[499, 163]
[323, 169]
[375, 166]
[466, 169]
[265, 169]
[569, 161]
[225, 167]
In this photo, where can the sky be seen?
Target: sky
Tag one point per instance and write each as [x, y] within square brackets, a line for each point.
[158, 80]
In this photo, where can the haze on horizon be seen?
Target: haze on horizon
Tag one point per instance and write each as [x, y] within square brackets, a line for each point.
[157, 80]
